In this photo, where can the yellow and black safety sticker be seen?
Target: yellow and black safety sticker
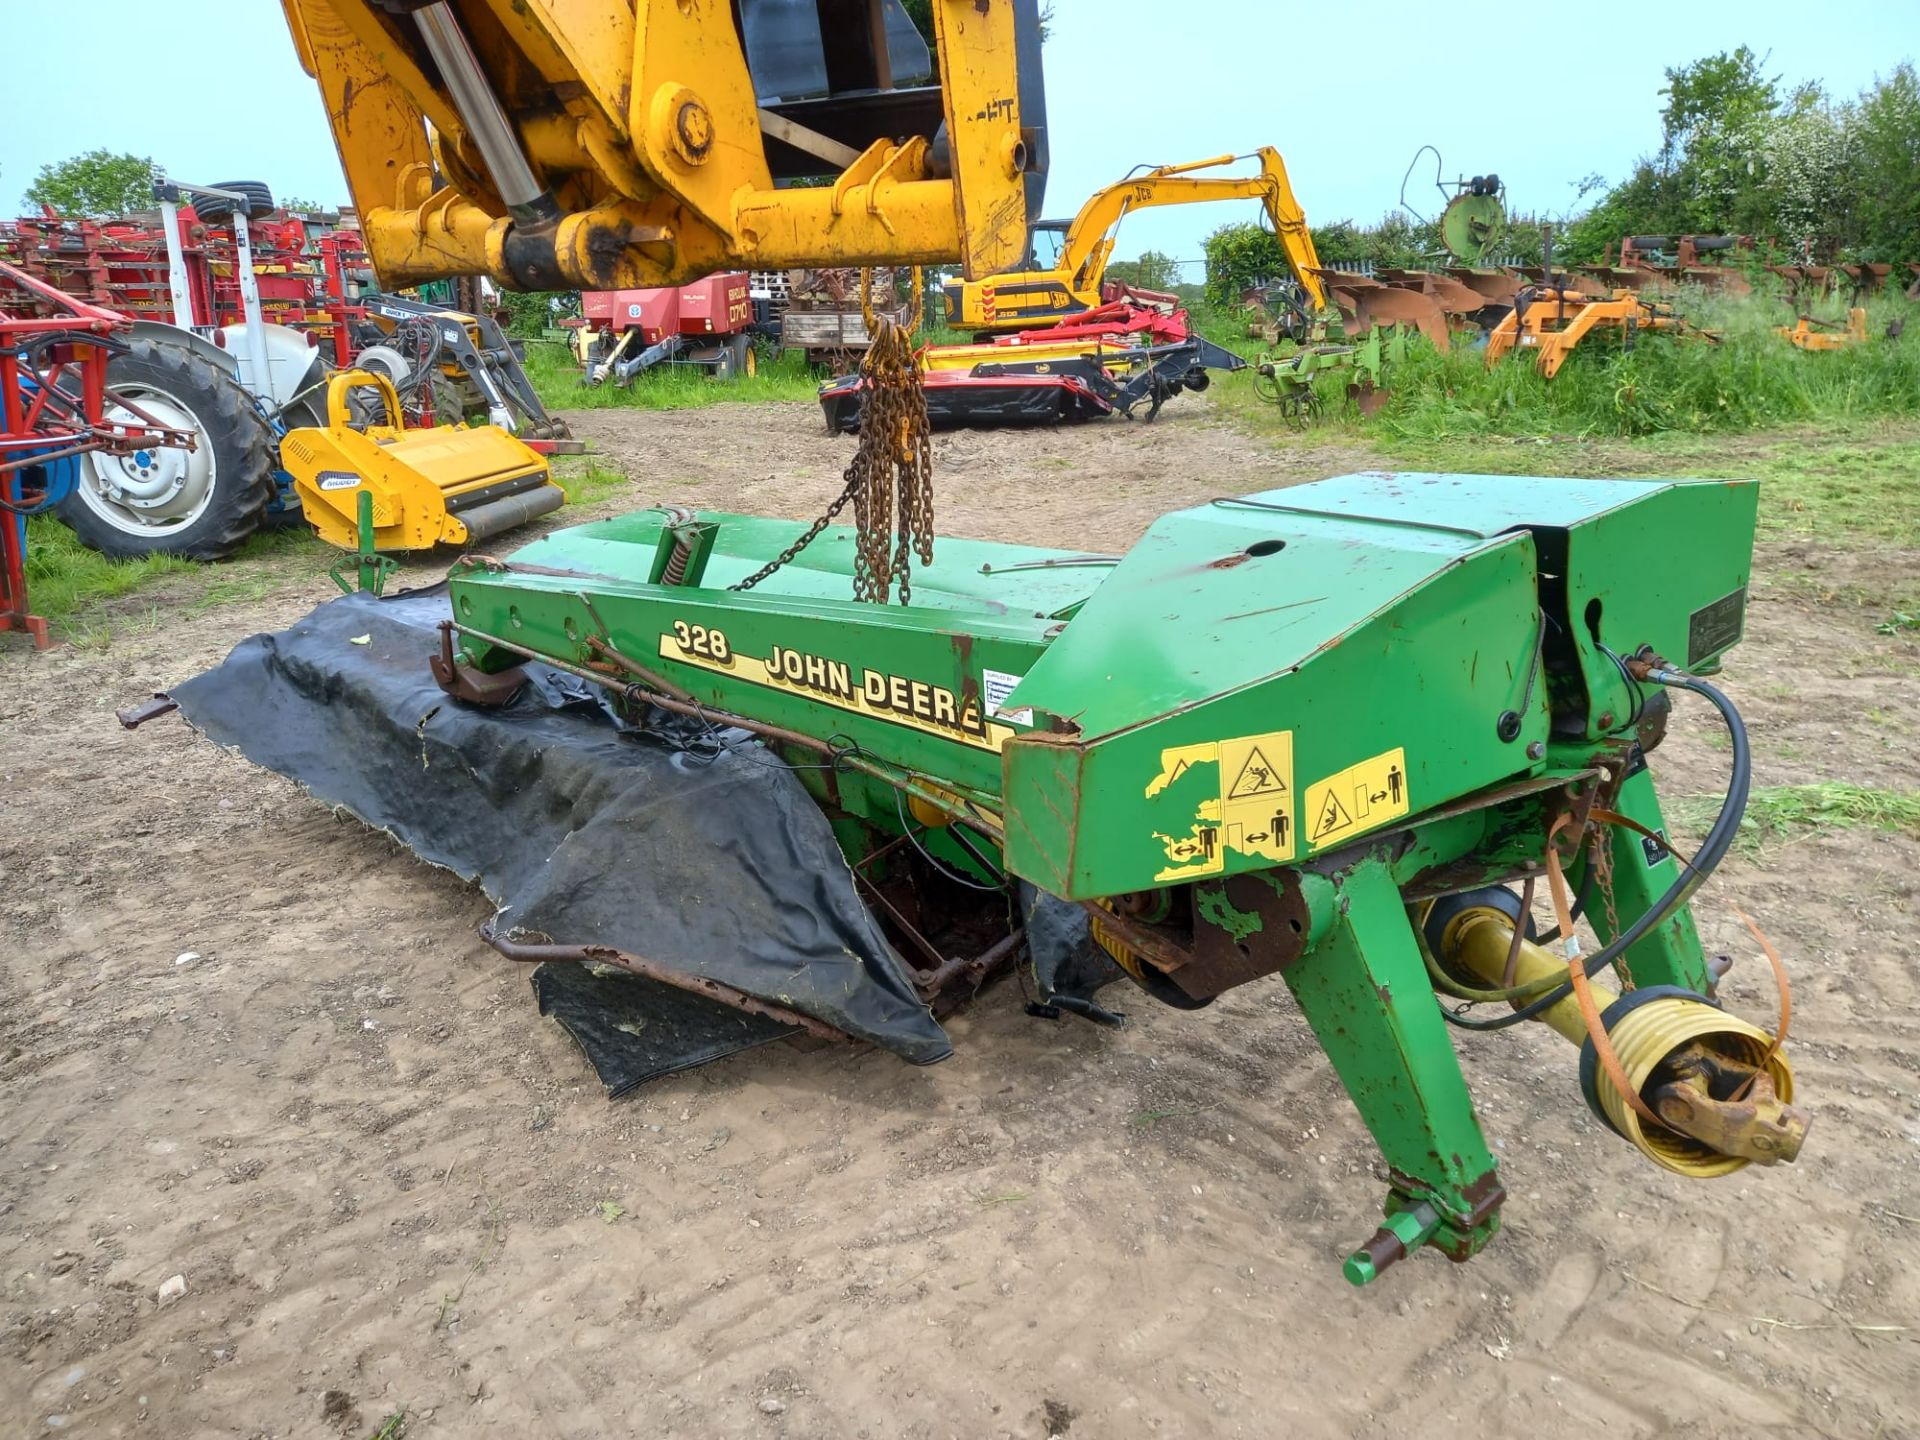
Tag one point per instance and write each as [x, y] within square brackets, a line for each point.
[1359, 798]
[879, 694]
[1248, 808]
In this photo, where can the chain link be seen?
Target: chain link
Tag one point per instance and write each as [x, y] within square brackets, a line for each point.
[889, 482]
[1601, 859]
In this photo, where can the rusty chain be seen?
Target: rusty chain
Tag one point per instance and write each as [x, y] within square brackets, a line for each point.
[1601, 858]
[889, 481]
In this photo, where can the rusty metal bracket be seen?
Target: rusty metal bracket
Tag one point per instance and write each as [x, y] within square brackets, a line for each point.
[464, 682]
[725, 994]
[975, 969]
[134, 716]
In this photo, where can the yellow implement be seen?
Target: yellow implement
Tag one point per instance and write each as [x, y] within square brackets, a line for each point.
[965, 357]
[1552, 320]
[1811, 334]
[451, 485]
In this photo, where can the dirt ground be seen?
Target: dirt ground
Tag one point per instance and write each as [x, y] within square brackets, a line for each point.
[255, 1046]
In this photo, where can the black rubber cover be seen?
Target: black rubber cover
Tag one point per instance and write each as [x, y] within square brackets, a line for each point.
[1488, 897]
[714, 865]
[632, 1029]
[974, 400]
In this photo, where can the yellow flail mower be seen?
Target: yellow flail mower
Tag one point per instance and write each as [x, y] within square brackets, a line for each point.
[366, 483]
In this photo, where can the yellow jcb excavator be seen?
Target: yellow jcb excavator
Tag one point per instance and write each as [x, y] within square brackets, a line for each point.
[621, 144]
[1071, 282]
[618, 144]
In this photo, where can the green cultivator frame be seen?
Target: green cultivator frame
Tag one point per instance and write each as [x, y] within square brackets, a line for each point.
[1317, 732]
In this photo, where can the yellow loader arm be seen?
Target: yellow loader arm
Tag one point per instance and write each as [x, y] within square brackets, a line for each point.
[1023, 298]
[607, 144]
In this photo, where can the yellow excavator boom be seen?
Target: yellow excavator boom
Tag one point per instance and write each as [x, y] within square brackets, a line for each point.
[1023, 298]
[611, 144]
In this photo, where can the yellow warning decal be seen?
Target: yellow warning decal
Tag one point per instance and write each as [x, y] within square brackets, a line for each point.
[1359, 798]
[878, 694]
[1197, 854]
[1248, 805]
[1256, 795]
[1176, 760]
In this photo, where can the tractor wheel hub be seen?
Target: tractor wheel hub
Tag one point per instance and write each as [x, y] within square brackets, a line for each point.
[160, 484]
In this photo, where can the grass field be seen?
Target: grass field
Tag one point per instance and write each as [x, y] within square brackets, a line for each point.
[1835, 436]
[87, 598]
[1781, 812]
[556, 375]
[1748, 378]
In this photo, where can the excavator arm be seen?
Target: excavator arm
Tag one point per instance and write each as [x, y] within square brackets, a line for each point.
[1020, 299]
[612, 144]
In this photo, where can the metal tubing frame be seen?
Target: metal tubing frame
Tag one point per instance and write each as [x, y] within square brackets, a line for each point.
[699, 985]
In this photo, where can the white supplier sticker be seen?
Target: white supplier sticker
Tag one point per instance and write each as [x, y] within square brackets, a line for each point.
[998, 685]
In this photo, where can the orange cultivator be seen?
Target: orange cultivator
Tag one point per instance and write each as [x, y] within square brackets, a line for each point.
[1808, 333]
[1553, 320]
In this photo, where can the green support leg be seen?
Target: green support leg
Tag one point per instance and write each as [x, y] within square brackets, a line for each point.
[1365, 991]
[370, 567]
[1669, 954]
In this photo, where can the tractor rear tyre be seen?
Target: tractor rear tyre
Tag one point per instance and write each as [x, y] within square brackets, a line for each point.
[259, 202]
[164, 500]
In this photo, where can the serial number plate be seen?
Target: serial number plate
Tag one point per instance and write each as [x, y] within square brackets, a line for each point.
[1712, 628]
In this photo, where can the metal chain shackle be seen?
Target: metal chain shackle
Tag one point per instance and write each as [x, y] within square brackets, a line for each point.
[890, 478]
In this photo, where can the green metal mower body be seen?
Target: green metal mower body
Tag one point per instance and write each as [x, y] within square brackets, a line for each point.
[1249, 745]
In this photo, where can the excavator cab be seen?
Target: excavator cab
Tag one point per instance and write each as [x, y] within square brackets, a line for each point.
[1048, 244]
[640, 143]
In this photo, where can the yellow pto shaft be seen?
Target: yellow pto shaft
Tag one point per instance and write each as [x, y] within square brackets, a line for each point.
[1721, 1087]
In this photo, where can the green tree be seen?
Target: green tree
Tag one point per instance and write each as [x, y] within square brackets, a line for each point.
[1718, 131]
[1713, 143]
[1886, 207]
[1712, 99]
[1841, 179]
[1810, 168]
[1639, 205]
[1154, 270]
[1240, 255]
[98, 183]
[530, 312]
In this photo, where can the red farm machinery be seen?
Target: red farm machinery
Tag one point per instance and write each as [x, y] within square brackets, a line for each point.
[55, 413]
[234, 317]
[709, 325]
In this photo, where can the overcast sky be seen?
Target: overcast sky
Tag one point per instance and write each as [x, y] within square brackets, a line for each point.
[1543, 96]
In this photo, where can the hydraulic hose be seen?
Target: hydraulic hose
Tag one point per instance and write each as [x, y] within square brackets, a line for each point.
[1692, 874]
